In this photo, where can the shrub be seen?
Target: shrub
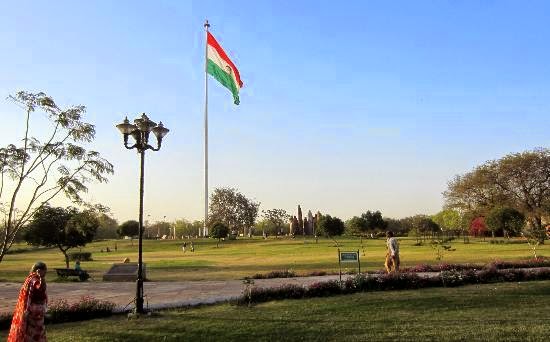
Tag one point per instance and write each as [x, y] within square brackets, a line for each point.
[451, 278]
[261, 294]
[323, 289]
[87, 308]
[80, 256]
[275, 274]
[496, 242]
[394, 281]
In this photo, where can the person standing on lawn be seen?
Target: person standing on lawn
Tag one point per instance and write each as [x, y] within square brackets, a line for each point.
[392, 255]
[28, 317]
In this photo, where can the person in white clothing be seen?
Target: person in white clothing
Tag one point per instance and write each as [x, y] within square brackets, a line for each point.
[392, 255]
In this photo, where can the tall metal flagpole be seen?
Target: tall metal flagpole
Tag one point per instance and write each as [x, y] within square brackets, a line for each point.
[205, 232]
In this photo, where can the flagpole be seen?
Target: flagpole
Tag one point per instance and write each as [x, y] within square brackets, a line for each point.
[205, 230]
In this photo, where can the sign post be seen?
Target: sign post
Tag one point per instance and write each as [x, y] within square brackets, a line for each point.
[350, 256]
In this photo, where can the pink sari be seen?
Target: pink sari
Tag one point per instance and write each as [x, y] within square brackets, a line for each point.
[28, 318]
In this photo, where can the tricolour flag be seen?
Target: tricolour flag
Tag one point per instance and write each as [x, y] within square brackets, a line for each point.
[221, 68]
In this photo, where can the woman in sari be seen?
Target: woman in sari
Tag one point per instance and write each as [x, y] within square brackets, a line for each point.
[28, 318]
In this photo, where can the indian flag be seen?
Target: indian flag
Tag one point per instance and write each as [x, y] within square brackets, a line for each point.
[221, 68]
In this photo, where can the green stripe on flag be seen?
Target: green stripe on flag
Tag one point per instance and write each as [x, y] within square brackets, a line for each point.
[224, 78]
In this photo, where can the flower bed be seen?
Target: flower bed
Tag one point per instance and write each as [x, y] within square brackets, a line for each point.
[86, 308]
[392, 281]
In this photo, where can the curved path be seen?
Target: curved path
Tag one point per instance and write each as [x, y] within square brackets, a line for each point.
[157, 294]
[161, 294]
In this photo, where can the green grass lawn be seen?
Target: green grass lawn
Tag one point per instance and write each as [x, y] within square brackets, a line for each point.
[492, 312]
[245, 257]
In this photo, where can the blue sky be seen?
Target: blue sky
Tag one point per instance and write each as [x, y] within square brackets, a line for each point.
[346, 107]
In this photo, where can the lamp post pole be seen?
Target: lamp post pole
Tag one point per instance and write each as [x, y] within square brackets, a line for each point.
[139, 287]
[140, 132]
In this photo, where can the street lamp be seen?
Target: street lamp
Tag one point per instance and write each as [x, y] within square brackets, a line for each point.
[140, 131]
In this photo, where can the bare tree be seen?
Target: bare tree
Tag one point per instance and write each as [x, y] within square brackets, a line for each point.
[38, 171]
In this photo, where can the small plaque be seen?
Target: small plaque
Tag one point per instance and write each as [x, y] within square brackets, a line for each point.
[349, 256]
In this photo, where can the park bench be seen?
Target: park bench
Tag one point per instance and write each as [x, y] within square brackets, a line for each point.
[69, 272]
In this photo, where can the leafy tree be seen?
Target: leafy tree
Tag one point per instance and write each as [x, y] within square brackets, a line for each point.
[534, 237]
[266, 227]
[185, 228]
[61, 228]
[161, 228]
[505, 221]
[356, 225]
[331, 227]
[396, 226]
[423, 225]
[518, 180]
[448, 220]
[128, 228]
[276, 220]
[107, 228]
[34, 173]
[233, 209]
[219, 231]
[478, 226]
[374, 220]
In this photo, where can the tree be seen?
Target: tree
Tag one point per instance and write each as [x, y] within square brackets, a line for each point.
[107, 228]
[219, 231]
[518, 180]
[160, 229]
[61, 228]
[230, 207]
[374, 220]
[186, 228]
[478, 226]
[448, 220]
[356, 226]
[128, 228]
[426, 226]
[505, 221]
[276, 220]
[331, 226]
[395, 226]
[534, 237]
[38, 171]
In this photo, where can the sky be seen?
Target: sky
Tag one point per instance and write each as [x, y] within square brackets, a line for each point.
[346, 106]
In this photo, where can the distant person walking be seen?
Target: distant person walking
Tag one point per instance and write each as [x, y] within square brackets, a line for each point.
[28, 317]
[392, 254]
[184, 246]
[192, 246]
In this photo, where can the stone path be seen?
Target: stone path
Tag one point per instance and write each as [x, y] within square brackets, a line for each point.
[158, 294]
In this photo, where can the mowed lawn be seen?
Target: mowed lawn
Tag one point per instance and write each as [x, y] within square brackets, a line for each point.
[491, 312]
[245, 257]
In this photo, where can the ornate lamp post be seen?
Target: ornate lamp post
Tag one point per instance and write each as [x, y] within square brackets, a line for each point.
[140, 131]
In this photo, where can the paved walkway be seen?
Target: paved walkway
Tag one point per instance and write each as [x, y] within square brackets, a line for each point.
[158, 294]
[161, 294]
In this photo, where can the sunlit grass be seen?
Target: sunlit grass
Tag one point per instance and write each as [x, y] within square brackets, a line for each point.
[493, 312]
[239, 258]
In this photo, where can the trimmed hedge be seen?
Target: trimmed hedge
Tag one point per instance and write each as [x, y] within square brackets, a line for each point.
[80, 256]
[392, 281]
[499, 264]
[275, 274]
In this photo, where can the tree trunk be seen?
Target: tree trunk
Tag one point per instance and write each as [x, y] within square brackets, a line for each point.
[66, 257]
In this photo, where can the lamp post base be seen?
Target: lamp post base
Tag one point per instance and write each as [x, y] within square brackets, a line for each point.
[139, 297]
